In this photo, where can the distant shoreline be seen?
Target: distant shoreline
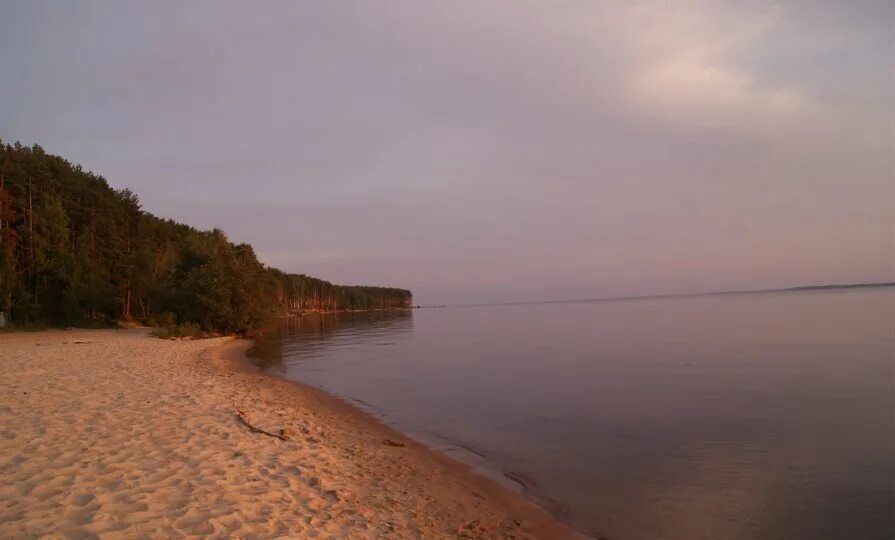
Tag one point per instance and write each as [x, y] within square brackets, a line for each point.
[843, 286]
[683, 295]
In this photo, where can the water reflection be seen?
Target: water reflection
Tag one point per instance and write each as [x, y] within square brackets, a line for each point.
[299, 339]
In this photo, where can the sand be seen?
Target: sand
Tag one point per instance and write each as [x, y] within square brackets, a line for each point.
[116, 434]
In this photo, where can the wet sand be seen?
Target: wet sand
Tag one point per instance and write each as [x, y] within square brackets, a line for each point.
[107, 433]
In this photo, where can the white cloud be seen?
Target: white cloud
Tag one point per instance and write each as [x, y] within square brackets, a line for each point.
[690, 66]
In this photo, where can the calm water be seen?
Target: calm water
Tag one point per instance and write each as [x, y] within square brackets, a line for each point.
[759, 416]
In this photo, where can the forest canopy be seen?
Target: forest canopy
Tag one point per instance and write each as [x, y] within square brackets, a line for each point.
[75, 250]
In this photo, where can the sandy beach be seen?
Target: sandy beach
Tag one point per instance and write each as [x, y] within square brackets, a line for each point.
[116, 434]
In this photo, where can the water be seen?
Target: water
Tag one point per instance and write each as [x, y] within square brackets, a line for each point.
[753, 416]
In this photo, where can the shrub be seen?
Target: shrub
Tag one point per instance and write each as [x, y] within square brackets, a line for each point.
[182, 331]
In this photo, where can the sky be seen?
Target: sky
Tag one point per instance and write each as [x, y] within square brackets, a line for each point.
[481, 151]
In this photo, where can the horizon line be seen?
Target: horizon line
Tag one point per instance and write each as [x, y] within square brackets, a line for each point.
[674, 295]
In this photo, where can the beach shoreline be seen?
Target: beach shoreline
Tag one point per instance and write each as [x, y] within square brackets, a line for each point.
[237, 358]
[115, 432]
[462, 459]
[518, 483]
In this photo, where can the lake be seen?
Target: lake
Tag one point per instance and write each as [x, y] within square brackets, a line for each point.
[741, 416]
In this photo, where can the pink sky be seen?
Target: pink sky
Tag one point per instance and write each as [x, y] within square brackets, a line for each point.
[485, 151]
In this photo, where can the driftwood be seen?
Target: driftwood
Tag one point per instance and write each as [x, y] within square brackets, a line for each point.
[255, 429]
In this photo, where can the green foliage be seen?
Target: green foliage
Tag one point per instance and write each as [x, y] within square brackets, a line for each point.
[72, 249]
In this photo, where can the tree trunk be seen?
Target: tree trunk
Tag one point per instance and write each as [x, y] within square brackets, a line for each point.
[2, 187]
[30, 223]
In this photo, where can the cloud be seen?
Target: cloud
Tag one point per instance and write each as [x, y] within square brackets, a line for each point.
[691, 65]
[581, 148]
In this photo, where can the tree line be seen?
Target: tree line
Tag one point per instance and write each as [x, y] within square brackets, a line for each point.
[75, 250]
